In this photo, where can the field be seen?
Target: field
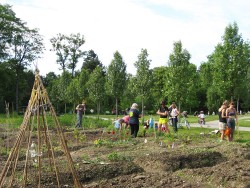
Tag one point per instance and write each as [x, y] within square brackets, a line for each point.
[104, 157]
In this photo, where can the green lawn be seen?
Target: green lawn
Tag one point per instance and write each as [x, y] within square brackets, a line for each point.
[69, 120]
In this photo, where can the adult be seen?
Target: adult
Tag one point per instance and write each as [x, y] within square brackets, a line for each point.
[134, 115]
[231, 120]
[80, 110]
[163, 121]
[222, 119]
[174, 115]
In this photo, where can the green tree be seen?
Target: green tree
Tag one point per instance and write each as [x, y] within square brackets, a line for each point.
[91, 61]
[75, 42]
[159, 80]
[19, 45]
[116, 78]
[143, 78]
[59, 45]
[64, 82]
[96, 87]
[205, 89]
[68, 50]
[178, 76]
[82, 81]
[230, 62]
[72, 94]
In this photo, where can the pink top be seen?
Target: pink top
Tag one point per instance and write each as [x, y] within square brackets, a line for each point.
[126, 119]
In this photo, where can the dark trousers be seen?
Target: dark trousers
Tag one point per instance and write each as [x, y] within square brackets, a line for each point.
[174, 123]
[134, 128]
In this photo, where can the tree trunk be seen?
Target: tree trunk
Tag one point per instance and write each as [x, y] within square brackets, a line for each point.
[116, 107]
[142, 110]
[17, 89]
[179, 111]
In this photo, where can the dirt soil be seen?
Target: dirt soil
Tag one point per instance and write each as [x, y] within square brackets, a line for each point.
[106, 159]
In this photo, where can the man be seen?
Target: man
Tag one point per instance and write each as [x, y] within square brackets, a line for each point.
[80, 109]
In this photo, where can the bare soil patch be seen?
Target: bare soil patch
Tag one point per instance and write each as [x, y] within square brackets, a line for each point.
[104, 159]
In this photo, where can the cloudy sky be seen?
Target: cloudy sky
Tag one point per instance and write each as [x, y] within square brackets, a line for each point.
[128, 26]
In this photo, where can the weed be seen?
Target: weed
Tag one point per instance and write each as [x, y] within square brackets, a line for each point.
[114, 156]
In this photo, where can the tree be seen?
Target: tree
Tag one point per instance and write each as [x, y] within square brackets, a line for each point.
[159, 79]
[72, 94]
[96, 88]
[59, 45]
[231, 61]
[116, 78]
[68, 50]
[82, 81]
[178, 76]
[63, 85]
[143, 78]
[75, 41]
[19, 45]
[9, 25]
[91, 61]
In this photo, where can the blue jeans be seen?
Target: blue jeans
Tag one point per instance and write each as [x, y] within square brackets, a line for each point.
[174, 123]
[79, 120]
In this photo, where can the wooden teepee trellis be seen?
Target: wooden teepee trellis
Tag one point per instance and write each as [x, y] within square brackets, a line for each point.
[35, 125]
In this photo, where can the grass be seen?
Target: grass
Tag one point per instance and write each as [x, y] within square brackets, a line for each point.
[91, 122]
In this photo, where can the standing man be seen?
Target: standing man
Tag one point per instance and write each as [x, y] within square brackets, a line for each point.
[80, 110]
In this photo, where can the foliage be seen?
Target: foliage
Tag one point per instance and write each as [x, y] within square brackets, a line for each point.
[225, 75]
[116, 78]
[230, 63]
[114, 156]
[68, 50]
[181, 85]
[20, 45]
[95, 87]
[91, 61]
[143, 78]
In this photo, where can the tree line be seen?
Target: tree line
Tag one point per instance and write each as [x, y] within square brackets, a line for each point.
[225, 74]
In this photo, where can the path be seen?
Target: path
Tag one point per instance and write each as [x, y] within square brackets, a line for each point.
[214, 125]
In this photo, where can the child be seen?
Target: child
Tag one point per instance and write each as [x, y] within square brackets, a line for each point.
[118, 123]
[201, 117]
[126, 121]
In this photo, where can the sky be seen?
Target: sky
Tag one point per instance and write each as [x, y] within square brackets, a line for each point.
[127, 26]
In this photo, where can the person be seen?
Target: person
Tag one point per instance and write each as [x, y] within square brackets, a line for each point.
[126, 121]
[231, 120]
[163, 121]
[145, 126]
[134, 115]
[81, 108]
[222, 119]
[201, 117]
[118, 123]
[174, 115]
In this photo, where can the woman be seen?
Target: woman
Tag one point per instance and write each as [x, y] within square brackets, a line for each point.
[231, 120]
[163, 121]
[222, 119]
[174, 114]
[134, 116]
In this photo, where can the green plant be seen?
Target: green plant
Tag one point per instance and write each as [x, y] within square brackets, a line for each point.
[78, 136]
